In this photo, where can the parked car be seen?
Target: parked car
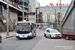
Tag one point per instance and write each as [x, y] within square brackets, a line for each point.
[67, 34]
[0, 39]
[52, 33]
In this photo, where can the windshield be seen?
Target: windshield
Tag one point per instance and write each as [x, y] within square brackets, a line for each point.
[23, 28]
[54, 31]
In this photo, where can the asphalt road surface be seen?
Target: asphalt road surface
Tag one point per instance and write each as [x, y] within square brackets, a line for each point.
[37, 43]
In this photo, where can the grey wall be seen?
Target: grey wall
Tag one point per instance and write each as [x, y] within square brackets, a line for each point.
[2, 26]
[13, 17]
[70, 22]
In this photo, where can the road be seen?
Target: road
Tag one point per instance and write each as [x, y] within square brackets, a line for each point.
[37, 43]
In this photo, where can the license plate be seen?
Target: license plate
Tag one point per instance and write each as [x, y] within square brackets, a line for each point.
[57, 36]
[23, 35]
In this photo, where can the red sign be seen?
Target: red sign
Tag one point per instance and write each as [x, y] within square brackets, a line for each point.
[63, 4]
[14, 4]
[51, 4]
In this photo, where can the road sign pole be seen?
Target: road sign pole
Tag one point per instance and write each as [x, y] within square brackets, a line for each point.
[60, 17]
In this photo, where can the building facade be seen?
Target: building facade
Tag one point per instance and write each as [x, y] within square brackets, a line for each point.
[52, 13]
[15, 12]
[33, 5]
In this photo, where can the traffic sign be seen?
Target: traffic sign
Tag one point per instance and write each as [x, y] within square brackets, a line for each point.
[60, 19]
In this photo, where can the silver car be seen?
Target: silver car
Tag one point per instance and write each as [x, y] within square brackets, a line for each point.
[52, 33]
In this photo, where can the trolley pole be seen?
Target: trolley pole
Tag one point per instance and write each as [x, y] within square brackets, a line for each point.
[60, 17]
[23, 11]
[7, 19]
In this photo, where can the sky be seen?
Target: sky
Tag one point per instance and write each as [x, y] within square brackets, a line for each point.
[46, 2]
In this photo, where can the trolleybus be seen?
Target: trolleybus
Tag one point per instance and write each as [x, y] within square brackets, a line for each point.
[25, 29]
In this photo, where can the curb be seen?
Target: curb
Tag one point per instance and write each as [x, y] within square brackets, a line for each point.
[8, 37]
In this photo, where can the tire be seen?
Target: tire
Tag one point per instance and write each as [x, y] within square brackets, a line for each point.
[1, 41]
[67, 38]
[60, 38]
[50, 37]
[19, 38]
[45, 36]
[35, 35]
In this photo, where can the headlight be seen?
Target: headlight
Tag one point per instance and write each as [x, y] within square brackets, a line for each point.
[60, 35]
[16, 34]
[30, 34]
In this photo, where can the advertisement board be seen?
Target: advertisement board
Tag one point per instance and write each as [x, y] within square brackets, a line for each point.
[14, 4]
[62, 4]
[32, 18]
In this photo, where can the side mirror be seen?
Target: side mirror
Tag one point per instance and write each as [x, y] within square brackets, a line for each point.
[31, 28]
[48, 31]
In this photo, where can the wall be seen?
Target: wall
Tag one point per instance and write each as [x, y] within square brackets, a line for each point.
[70, 23]
[13, 17]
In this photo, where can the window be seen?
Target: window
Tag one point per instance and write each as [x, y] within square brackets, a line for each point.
[74, 32]
[48, 31]
[16, 1]
[66, 31]
[71, 32]
[10, 0]
[54, 31]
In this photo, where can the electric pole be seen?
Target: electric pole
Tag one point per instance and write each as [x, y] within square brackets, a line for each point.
[60, 18]
[57, 14]
[23, 11]
[7, 19]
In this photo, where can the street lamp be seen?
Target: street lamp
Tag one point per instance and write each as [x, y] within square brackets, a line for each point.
[7, 19]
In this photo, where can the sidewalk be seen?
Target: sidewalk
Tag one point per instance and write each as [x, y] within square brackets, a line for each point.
[11, 34]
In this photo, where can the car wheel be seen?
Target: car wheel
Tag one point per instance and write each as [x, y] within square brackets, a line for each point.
[67, 38]
[60, 38]
[35, 34]
[19, 38]
[50, 36]
[0, 41]
[45, 36]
